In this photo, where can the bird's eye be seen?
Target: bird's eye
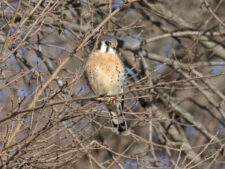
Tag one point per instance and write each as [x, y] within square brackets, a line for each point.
[107, 43]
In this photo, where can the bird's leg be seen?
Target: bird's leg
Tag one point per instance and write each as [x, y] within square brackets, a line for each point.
[101, 99]
[111, 100]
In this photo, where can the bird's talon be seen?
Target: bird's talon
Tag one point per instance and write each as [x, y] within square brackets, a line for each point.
[111, 100]
[100, 99]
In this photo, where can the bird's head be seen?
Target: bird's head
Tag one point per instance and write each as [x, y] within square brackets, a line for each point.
[107, 44]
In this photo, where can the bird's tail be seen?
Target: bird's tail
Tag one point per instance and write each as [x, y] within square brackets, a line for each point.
[118, 119]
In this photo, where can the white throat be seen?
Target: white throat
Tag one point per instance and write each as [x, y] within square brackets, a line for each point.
[104, 48]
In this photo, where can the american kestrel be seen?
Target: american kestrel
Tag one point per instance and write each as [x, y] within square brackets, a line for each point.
[106, 75]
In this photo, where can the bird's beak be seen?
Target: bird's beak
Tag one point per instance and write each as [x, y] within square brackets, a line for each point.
[112, 45]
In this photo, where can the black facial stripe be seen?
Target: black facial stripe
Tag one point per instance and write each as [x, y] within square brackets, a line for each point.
[107, 43]
[107, 49]
[99, 45]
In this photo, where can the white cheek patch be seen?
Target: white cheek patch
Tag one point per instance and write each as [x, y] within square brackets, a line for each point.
[103, 47]
[111, 50]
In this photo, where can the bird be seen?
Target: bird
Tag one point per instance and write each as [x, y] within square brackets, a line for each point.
[105, 72]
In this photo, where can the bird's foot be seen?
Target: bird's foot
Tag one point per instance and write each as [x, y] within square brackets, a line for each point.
[111, 100]
[101, 98]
